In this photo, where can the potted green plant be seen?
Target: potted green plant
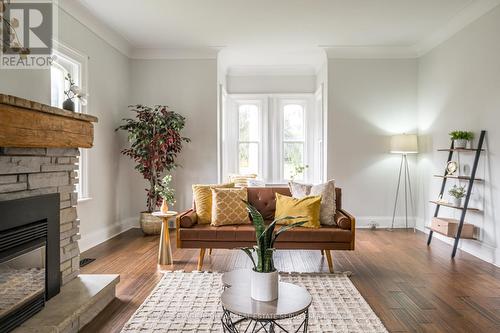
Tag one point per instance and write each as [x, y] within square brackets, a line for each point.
[461, 138]
[264, 276]
[457, 193]
[155, 142]
[166, 192]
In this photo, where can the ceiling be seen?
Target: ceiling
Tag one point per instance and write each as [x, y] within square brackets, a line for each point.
[202, 24]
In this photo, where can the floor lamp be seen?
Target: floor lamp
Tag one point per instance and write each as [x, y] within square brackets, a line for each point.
[403, 144]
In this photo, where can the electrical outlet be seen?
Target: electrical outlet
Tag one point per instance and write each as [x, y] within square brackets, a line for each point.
[373, 225]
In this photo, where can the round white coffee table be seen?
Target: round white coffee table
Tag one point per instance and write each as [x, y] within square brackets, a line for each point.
[242, 313]
[164, 248]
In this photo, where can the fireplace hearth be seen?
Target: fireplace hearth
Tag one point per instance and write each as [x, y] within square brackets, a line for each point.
[29, 257]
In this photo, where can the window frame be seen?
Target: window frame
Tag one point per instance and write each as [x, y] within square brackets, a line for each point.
[80, 62]
[272, 140]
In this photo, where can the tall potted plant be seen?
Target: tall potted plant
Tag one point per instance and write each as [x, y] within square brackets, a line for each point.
[264, 276]
[155, 142]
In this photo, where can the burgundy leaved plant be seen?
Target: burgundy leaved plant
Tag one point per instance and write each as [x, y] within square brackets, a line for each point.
[155, 141]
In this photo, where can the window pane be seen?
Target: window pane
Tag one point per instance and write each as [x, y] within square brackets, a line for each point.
[248, 158]
[248, 115]
[57, 86]
[293, 124]
[293, 158]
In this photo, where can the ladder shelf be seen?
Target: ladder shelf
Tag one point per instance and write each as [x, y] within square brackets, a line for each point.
[471, 179]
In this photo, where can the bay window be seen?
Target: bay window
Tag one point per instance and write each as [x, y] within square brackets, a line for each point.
[277, 137]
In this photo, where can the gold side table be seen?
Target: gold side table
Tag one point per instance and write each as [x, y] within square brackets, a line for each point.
[164, 249]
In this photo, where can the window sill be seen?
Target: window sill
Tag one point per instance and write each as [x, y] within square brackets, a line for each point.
[81, 200]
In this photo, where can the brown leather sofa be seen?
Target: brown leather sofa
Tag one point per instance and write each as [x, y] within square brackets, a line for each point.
[191, 235]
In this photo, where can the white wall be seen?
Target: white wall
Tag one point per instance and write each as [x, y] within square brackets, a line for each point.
[189, 87]
[368, 101]
[459, 88]
[104, 215]
[264, 84]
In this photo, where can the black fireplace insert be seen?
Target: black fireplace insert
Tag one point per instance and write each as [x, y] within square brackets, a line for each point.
[29, 257]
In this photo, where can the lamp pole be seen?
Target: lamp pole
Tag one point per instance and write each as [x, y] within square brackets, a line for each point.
[403, 168]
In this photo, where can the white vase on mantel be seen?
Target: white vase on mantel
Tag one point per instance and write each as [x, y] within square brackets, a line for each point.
[264, 286]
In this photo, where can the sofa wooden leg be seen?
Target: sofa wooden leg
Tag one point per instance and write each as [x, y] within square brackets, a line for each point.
[322, 252]
[210, 252]
[200, 259]
[329, 260]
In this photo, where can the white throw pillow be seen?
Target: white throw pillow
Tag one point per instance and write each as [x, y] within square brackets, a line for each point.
[327, 192]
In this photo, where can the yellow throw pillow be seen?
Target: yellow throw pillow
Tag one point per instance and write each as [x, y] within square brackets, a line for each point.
[202, 195]
[309, 207]
[228, 206]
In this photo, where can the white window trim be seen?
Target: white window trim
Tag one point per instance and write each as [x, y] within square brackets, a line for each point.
[272, 142]
[68, 52]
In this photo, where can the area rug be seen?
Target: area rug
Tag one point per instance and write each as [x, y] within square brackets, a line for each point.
[189, 302]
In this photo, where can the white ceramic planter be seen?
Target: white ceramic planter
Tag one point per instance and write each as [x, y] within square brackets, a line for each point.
[457, 202]
[264, 286]
[460, 144]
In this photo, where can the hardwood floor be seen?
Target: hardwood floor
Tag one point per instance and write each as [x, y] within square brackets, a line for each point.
[411, 288]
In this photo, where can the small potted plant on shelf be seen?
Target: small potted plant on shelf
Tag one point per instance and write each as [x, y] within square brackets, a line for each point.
[73, 92]
[461, 138]
[166, 192]
[457, 192]
[264, 276]
[155, 142]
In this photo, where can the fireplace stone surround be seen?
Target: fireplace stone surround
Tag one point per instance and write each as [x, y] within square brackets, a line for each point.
[39, 153]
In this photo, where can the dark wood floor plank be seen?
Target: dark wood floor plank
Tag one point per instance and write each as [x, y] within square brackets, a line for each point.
[411, 287]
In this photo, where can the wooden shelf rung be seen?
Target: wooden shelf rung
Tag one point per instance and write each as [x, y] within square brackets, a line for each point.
[459, 178]
[442, 233]
[449, 205]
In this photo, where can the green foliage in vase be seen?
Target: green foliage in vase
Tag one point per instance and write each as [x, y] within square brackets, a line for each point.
[457, 191]
[155, 141]
[462, 135]
[165, 191]
[266, 236]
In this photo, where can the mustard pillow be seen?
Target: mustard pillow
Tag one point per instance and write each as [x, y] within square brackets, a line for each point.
[228, 206]
[309, 207]
[202, 196]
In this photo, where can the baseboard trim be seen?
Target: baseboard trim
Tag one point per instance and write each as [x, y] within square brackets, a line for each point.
[384, 222]
[99, 236]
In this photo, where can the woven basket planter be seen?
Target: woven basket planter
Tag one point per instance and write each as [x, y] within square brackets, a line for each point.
[150, 224]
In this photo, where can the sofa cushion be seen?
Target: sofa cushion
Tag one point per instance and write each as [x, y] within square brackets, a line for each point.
[327, 192]
[264, 199]
[228, 206]
[202, 196]
[308, 208]
[246, 233]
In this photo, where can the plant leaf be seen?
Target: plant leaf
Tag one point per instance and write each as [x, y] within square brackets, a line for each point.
[286, 228]
[248, 251]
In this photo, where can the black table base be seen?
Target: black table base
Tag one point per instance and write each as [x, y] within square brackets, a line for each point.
[231, 321]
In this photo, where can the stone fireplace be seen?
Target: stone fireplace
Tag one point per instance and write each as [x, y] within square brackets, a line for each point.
[39, 225]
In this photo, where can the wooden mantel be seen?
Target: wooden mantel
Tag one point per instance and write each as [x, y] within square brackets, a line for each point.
[29, 124]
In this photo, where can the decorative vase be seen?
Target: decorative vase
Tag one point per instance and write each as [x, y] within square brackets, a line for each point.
[150, 225]
[460, 144]
[457, 202]
[69, 105]
[164, 206]
[264, 286]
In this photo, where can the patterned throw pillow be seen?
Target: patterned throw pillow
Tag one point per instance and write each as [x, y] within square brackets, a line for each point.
[327, 192]
[202, 196]
[228, 206]
[307, 207]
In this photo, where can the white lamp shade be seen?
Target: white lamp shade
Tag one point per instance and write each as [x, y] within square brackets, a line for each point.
[404, 144]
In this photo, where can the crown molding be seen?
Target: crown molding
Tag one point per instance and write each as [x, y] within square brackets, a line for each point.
[302, 70]
[184, 53]
[370, 52]
[80, 13]
[462, 19]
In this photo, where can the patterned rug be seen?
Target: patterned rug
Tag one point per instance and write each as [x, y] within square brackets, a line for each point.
[189, 302]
